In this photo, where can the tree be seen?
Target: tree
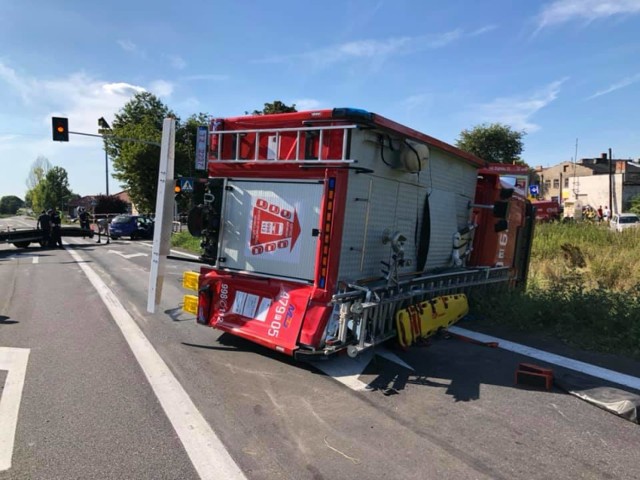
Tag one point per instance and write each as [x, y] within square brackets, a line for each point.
[110, 204]
[276, 107]
[633, 205]
[56, 188]
[136, 164]
[495, 143]
[34, 197]
[38, 171]
[10, 204]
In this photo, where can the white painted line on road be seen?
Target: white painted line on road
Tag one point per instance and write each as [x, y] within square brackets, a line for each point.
[130, 255]
[582, 367]
[36, 259]
[207, 453]
[14, 361]
[175, 252]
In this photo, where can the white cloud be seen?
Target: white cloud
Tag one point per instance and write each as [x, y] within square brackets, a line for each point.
[128, 45]
[161, 88]
[303, 104]
[121, 88]
[517, 111]
[562, 11]
[376, 50]
[177, 62]
[416, 101]
[625, 82]
[482, 30]
[205, 76]
[79, 97]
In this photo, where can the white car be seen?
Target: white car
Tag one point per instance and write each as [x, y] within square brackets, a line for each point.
[622, 221]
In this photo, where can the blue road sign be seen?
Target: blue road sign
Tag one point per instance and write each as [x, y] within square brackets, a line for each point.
[186, 184]
[534, 190]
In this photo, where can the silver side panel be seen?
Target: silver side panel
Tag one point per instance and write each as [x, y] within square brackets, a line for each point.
[392, 200]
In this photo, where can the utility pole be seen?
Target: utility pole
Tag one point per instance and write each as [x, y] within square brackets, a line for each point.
[105, 128]
[610, 181]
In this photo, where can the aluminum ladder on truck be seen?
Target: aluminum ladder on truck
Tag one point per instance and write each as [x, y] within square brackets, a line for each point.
[275, 136]
[367, 314]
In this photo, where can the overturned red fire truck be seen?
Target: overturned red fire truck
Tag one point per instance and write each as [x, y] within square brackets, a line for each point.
[319, 226]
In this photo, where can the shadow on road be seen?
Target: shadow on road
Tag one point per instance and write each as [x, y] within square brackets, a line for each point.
[457, 367]
[231, 343]
[4, 320]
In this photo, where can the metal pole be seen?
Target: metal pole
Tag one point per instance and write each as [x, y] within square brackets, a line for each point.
[106, 168]
[610, 191]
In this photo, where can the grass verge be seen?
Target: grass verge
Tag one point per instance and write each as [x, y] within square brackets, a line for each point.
[185, 241]
[583, 288]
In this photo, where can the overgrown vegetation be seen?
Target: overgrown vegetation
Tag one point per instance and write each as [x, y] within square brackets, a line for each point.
[186, 241]
[584, 289]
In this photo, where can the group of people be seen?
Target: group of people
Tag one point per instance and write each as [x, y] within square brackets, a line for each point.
[599, 215]
[50, 222]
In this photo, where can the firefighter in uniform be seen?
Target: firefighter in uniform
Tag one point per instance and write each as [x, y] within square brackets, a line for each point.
[56, 237]
[44, 224]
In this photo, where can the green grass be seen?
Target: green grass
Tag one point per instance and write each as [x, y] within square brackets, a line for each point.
[583, 288]
[185, 241]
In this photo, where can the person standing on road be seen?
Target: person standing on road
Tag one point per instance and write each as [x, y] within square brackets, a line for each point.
[56, 237]
[606, 213]
[84, 220]
[600, 214]
[44, 224]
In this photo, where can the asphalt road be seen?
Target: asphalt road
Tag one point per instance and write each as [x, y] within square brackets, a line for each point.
[88, 410]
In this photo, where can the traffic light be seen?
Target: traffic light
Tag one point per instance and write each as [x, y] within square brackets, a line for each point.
[177, 189]
[60, 127]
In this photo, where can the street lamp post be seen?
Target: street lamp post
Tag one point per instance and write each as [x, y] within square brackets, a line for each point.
[102, 123]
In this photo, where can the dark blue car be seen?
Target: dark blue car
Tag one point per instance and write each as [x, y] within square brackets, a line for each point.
[132, 226]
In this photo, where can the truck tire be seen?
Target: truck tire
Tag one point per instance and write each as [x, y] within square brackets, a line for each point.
[21, 244]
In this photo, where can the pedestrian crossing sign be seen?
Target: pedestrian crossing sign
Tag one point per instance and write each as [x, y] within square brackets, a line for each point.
[186, 184]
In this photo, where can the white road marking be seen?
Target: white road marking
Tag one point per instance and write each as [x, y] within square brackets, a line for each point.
[36, 259]
[175, 252]
[14, 360]
[207, 453]
[582, 367]
[346, 370]
[130, 255]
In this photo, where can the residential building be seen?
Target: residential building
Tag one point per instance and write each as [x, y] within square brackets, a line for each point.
[587, 182]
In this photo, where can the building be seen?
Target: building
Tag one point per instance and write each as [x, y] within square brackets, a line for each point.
[89, 202]
[587, 182]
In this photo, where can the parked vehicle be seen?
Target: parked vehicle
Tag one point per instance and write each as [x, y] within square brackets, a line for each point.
[320, 227]
[622, 221]
[132, 226]
[547, 210]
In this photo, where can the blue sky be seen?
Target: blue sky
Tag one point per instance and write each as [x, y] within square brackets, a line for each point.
[561, 69]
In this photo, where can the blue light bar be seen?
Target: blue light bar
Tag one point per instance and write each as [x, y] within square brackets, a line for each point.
[352, 113]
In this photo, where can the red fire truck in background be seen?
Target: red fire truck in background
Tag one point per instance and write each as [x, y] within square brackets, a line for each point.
[318, 227]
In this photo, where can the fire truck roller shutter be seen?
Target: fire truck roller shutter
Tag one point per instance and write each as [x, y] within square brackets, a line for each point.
[424, 236]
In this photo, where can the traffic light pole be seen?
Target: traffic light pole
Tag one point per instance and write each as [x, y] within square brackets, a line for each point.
[136, 140]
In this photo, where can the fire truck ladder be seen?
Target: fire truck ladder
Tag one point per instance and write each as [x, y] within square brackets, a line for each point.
[277, 134]
[367, 315]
